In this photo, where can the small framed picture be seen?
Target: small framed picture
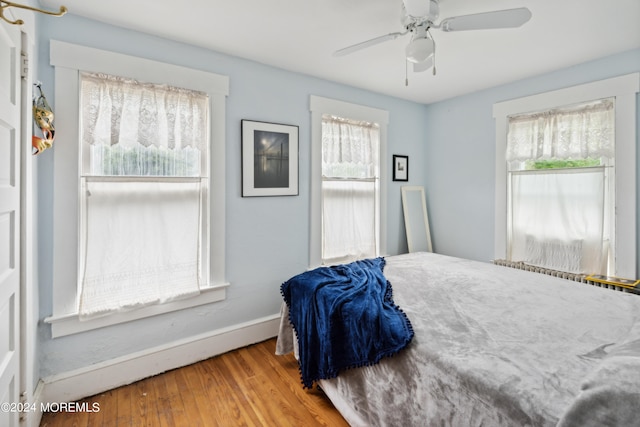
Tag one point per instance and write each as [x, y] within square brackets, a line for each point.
[269, 159]
[400, 168]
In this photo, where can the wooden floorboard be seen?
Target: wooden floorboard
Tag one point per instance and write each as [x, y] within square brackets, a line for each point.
[246, 387]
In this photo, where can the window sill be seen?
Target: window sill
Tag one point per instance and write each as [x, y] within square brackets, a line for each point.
[71, 324]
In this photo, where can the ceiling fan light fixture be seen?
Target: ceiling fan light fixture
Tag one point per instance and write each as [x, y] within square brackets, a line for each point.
[419, 50]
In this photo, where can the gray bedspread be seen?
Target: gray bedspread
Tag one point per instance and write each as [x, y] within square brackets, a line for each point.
[496, 346]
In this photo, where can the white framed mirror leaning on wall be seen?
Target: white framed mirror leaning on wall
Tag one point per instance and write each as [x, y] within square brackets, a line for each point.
[416, 221]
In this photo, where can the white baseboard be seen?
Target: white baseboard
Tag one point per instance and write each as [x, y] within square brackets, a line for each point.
[77, 384]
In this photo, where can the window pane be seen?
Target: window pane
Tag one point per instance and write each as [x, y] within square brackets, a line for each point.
[116, 160]
[558, 220]
[348, 219]
[561, 164]
[141, 244]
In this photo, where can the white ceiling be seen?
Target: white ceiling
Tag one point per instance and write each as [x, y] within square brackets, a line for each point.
[301, 35]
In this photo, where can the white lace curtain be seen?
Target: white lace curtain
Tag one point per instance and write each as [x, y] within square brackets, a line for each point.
[577, 132]
[350, 171]
[142, 245]
[349, 148]
[143, 232]
[348, 220]
[559, 217]
[123, 111]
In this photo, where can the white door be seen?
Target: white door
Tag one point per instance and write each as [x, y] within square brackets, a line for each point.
[10, 146]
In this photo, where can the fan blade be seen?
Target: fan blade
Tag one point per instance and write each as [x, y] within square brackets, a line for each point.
[423, 66]
[368, 43]
[508, 18]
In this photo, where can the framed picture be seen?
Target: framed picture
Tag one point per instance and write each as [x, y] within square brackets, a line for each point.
[269, 159]
[400, 168]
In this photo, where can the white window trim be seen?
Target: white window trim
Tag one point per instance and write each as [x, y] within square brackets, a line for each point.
[624, 89]
[319, 106]
[69, 60]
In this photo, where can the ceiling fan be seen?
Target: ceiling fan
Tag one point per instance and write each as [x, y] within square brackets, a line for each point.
[419, 16]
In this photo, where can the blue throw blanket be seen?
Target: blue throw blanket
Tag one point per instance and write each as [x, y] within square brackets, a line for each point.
[344, 317]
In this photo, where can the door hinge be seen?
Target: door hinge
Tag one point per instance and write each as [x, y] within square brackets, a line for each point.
[23, 402]
[24, 65]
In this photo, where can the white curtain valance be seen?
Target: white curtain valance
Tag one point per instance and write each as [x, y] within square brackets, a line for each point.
[123, 111]
[577, 132]
[349, 148]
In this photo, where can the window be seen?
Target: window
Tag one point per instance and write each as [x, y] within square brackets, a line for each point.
[586, 180]
[124, 177]
[350, 189]
[561, 168]
[347, 181]
[143, 199]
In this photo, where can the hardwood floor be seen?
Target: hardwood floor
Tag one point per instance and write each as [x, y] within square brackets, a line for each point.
[246, 387]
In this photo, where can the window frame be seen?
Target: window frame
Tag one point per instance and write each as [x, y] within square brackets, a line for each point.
[69, 60]
[623, 89]
[319, 106]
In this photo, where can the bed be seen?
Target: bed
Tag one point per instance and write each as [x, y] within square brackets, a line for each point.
[495, 346]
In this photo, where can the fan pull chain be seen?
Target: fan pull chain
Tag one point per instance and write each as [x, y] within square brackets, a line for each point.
[434, 59]
[406, 73]
[434, 51]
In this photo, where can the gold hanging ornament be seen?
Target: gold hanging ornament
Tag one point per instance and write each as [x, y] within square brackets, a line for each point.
[43, 116]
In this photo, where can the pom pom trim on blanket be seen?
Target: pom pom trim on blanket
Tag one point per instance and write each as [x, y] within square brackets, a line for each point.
[344, 317]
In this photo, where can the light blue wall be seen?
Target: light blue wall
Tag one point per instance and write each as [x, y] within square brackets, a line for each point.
[460, 161]
[267, 238]
[451, 145]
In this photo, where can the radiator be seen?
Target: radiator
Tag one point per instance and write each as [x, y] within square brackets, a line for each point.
[614, 283]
